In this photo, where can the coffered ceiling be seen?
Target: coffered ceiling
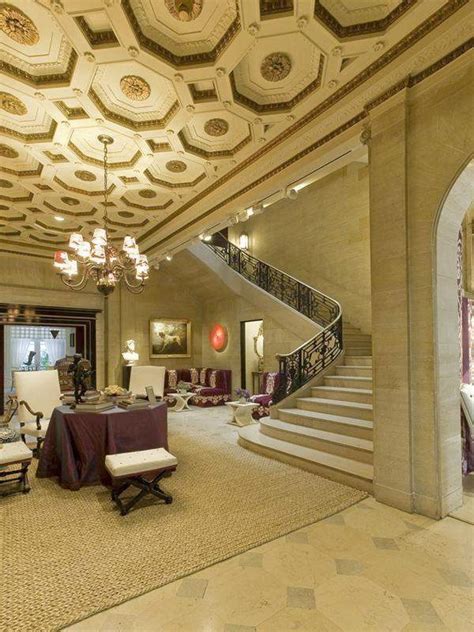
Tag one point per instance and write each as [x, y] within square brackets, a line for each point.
[194, 92]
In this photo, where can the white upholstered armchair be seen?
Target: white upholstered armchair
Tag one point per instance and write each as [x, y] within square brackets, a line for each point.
[143, 376]
[38, 394]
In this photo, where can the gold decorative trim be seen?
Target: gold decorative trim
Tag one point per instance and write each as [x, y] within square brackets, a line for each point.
[202, 96]
[8, 152]
[275, 67]
[128, 179]
[99, 163]
[282, 105]
[223, 153]
[61, 211]
[12, 104]
[39, 137]
[55, 157]
[96, 39]
[43, 187]
[20, 218]
[158, 147]
[364, 28]
[71, 113]
[56, 79]
[159, 207]
[68, 187]
[57, 229]
[275, 8]
[153, 47]
[17, 25]
[135, 125]
[24, 174]
[24, 198]
[415, 79]
[135, 88]
[173, 185]
[130, 224]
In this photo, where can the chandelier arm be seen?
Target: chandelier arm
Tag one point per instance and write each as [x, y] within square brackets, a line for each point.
[79, 285]
[130, 284]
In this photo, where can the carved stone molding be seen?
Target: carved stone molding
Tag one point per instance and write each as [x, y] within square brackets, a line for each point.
[275, 67]
[17, 25]
[216, 127]
[135, 88]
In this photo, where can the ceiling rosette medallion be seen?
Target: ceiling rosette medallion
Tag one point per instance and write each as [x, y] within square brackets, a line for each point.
[216, 127]
[8, 152]
[275, 67]
[6, 184]
[135, 88]
[184, 10]
[176, 166]
[12, 104]
[147, 193]
[85, 176]
[17, 25]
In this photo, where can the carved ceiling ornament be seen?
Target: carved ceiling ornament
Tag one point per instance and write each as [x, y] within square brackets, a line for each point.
[216, 127]
[176, 166]
[17, 25]
[275, 67]
[147, 193]
[5, 184]
[184, 10]
[85, 176]
[8, 152]
[12, 104]
[135, 88]
[70, 201]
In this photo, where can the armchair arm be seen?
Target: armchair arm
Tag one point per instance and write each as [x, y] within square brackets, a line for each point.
[39, 415]
[10, 410]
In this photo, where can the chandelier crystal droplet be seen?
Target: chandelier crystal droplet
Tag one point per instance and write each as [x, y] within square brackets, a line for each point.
[98, 259]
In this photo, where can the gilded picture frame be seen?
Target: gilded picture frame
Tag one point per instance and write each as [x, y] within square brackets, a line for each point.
[170, 338]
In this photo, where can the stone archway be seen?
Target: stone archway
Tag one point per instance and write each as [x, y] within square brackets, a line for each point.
[446, 339]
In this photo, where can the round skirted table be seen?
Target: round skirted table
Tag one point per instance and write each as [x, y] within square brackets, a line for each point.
[77, 443]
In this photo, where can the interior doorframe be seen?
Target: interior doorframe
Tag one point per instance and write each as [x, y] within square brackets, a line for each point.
[49, 317]
[243, 353]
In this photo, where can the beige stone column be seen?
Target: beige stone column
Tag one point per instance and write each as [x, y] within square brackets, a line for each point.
[390, 302]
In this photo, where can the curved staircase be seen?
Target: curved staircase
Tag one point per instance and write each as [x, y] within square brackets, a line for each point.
[322, 417]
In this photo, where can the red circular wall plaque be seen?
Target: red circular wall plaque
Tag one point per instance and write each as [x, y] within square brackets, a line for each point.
[218, 337]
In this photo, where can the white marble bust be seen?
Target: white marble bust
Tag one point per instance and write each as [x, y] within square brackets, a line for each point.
[130, 355]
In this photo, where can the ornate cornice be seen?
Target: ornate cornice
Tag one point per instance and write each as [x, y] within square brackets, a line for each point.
[99, 163]
[37, 137]
[364, 28]
[71, 113]
[414, 80]
[96, 39]
[70, 213]
[68, 187]
[135, 125]
[56, 79]
[173, 185]
[24, 174]
[159, 207]
[222, 153]
[153, 47]
[282, 105]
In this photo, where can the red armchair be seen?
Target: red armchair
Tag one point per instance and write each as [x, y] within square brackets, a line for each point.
[270, 381]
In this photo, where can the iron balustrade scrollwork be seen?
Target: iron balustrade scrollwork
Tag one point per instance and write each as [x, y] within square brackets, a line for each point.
[311, 358]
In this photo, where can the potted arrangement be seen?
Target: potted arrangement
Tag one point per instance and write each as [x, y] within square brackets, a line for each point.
[182, 387]
[243, 394]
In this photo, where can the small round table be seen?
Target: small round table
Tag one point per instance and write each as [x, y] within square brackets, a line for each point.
[182, 401]
[242, 413]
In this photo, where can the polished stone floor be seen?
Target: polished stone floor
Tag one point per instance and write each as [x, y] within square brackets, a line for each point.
[370, 567]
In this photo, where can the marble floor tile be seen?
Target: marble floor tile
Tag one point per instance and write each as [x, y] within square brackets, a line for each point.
[386, 543]
[230, 627]
[192, 587]
[421, 611]
[298, 537]
[298, 597]
[349, 567]
[251, 559]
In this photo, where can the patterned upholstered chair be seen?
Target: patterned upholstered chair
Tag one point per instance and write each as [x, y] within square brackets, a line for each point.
[214, 387]
[270, 381]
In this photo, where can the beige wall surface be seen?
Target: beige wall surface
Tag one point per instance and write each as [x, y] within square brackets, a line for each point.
[321, 238]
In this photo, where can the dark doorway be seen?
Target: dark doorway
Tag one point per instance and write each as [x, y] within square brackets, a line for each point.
[251, 354]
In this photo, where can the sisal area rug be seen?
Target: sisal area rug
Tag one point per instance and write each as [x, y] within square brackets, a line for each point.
[67, 555]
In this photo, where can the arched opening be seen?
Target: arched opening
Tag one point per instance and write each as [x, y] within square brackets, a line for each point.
[448, 369]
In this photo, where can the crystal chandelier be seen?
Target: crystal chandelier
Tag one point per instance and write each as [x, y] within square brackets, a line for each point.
[99, 259]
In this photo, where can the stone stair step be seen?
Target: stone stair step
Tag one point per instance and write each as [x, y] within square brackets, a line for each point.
[358, 360]
[356, 371]
[356, 337]
[349, 381]
[335, 406]
[343, 393]
[351, 426]
[342, 445]
[343, 470]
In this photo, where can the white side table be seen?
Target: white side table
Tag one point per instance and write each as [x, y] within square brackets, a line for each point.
[242, 413]
[182, 401]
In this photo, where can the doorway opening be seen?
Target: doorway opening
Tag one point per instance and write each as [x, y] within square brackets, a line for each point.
[251, 354]
[453, 292]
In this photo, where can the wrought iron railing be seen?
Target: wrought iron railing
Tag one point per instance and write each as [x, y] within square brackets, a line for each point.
[312, 357]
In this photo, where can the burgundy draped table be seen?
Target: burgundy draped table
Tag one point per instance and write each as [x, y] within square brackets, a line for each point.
[76, 443]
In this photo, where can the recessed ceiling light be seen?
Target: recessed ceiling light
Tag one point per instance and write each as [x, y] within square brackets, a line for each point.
[59, 218]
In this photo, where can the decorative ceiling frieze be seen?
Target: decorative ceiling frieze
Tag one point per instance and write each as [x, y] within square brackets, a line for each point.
[97, 39]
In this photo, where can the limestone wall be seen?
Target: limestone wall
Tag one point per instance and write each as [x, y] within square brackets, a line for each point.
[322, 238]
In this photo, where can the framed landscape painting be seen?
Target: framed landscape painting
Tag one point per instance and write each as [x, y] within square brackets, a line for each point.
[170, 338]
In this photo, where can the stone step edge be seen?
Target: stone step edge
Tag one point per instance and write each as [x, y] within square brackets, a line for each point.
[363, 471]
[343, 389]
[330, 437]
[337, 419]
[336, 402]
